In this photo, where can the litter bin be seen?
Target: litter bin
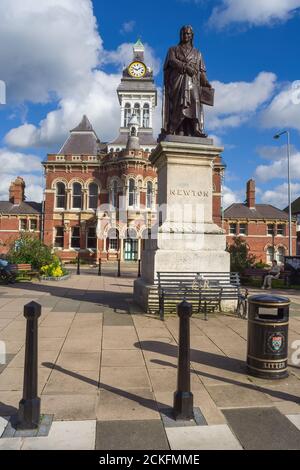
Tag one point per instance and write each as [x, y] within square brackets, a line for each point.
[268, 321]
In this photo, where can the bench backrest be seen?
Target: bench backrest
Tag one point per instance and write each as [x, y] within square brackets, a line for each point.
[167, 278]
[21, 267]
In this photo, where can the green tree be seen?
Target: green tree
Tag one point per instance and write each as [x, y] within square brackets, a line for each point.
[29, 249]
[240, 258]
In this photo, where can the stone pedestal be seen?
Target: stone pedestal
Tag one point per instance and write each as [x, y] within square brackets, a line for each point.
[185, 238]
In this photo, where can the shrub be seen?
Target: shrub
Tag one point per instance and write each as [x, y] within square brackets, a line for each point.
[29, 249]
[240, 258]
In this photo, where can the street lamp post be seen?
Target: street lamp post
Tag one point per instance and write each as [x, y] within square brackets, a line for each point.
[277, 136]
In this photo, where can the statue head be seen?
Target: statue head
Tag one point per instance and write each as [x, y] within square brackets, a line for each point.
[187, 35]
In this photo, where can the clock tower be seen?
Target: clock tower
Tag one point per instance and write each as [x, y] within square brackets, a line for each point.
[137, 96]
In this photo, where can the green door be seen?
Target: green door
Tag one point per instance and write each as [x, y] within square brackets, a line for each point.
[130, 250]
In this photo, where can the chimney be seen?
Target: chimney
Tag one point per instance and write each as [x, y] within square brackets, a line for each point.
[17, 191]
[250, 195]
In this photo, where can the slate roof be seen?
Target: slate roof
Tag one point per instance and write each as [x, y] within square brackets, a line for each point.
[83, 140]
[295, 206]
[25, 208]
[261, 211]
[144, 138]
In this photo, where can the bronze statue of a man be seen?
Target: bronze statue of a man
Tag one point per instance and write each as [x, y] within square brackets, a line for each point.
[186, 88]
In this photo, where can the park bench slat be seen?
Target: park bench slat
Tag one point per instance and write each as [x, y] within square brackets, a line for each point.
[187, 285]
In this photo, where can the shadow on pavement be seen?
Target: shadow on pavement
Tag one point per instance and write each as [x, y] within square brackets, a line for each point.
[146, 402]
[213, 360]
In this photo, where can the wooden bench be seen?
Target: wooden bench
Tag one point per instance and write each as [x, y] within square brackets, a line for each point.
[257, 273]
[24, 269]
[205, 291]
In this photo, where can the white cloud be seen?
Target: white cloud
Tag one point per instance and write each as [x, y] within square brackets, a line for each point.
[278, 169]
[284, 110]
[15, 164]
[123, 55]
[236, 102]
[56, 58]
[278, 196]
[52, 46]
[272, 152]
[128, 27]
[229, 197]
[253, 13]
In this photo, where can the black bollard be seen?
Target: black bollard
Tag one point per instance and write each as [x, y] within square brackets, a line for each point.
[139, 269]
[29, 406]
[183, 398]
[99, 268]
[119, 267]
[78, 264]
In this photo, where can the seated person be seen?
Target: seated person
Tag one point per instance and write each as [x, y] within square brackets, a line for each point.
[274, 273]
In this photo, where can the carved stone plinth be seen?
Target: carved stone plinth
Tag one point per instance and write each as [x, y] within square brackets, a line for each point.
[185, 238]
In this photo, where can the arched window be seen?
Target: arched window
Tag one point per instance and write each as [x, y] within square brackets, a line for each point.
[113, 239]
[270, 254]
[93, 196]
[149, 195]
[132, 193]
[146, 115]
[114, 194]
[137, 111]
[127, 114]
[77, 196]
[60, 196]
[280, 255]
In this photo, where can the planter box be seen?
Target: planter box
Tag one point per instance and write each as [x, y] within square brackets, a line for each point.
[52, 278]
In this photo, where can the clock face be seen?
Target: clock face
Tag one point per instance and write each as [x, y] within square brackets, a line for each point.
[137, 69]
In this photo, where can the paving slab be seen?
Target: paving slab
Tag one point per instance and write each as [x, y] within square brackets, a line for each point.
[134, 404]
[11, 444]
[125, 378]
[9, 402]
[217, 437]
[263, 429]
[62, 381]
[122, 358]
[131, 435]
[230, 396]
[295, 419]
[165, 380]
[69, 407]
[3, 424]
[82, 345]
[66, 306]
[11, 378]
[79, 361]
[117, 319]
[65, 435]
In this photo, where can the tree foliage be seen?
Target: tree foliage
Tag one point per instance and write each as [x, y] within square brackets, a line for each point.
[240, 258]
[29, 249]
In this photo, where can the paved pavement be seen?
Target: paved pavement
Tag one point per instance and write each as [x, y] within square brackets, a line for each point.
[107, 373]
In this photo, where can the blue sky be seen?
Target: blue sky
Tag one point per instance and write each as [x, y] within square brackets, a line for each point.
[63, 58]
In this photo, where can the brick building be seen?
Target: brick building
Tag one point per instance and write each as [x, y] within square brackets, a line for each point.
[100, 199]
[296, 214]
[263, 226]
[17, 215]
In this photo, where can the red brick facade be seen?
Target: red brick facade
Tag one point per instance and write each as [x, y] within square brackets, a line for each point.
[264, 228]
[16, 215]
